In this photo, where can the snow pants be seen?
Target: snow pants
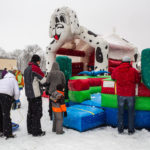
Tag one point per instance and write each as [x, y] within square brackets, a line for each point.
[122, 102]
[5, 120]
[58, 122]
[34, 115]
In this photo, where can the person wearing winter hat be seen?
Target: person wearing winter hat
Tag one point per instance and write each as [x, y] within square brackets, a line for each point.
[33, 78]
[126, 79]
[9, 93]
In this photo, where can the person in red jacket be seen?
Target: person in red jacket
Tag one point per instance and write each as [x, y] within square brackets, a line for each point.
[126, 79]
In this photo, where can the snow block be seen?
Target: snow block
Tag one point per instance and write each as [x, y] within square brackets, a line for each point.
[142, 118]
[110, 101]
[14, 126]
[82, 118]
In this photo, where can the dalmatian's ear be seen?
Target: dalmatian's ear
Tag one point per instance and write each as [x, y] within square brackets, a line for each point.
[74, 23]
[52, 25]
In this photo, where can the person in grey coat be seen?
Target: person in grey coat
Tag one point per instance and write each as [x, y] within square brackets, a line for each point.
[55, 77]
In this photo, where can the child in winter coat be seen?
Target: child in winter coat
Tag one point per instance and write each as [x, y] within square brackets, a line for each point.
[20, 80]
[58, 107]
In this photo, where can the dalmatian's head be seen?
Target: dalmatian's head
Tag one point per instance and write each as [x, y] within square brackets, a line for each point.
[64, 24]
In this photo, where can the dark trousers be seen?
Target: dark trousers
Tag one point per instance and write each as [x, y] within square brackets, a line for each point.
[34, 115]
[122, 102]
[5, 120]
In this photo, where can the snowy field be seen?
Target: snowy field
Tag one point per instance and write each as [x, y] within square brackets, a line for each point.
[105, 138]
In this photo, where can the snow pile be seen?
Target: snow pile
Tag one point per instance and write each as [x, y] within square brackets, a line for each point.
[105, 138]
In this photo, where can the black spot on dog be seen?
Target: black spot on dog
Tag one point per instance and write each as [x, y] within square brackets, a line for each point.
[84, 37]
[106, 46]
[99, 55]
[75, 16]
[56, 20]
[78, 25]
[50, 26]
[48, 63]
[52, 42]
[107, 56]
[90, 40]
[71, 22]
[49, 48]
[135, 57]
[91, 33]
[46, 52]
[97, 43]
[57, 10]
[136, 66]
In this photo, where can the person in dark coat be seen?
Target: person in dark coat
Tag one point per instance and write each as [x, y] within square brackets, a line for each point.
[126, 77]
[33, 77]
[4, 72]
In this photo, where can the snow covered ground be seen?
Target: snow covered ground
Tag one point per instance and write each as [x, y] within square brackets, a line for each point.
[105, 138]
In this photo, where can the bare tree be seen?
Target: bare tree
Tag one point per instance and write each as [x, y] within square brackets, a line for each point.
[3, 53]
[25, 57]
[15, 54]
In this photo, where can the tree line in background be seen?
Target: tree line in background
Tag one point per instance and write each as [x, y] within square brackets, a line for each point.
[24, 56]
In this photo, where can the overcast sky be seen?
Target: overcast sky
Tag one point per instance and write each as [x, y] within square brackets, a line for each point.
[25, 22]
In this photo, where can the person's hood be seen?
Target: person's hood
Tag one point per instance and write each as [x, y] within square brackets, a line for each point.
[9, 75]
[32, 63]
[124, 67]
[55, 66]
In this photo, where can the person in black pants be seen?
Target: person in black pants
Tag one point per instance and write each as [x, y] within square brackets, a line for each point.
[34, 115]
[5, 121]
[9, 92]
[33, 78]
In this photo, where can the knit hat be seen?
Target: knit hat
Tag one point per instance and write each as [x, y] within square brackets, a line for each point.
[126, 59]
[35, 58]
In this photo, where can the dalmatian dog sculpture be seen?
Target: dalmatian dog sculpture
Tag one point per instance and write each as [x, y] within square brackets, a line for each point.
[64, 26]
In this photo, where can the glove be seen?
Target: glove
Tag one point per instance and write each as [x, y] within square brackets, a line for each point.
[18, 104]
[46, 92]
[65, 114]
[13, 105]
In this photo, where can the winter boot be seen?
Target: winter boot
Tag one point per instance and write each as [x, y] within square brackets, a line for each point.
[1, 134]
[10, 136]
[40, 134]
[62, 132]
[131, 132]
